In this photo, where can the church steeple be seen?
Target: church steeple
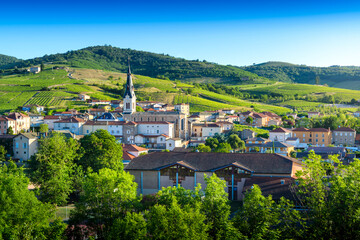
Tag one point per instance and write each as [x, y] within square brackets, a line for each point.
[129, 95]
[129, 85]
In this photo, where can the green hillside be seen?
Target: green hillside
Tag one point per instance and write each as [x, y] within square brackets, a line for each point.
[143, 63]
[337, 76]
[5, 60]
[56, 90]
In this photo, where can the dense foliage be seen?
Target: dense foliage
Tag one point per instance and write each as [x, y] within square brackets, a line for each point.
[305, 74]
[4, 60]
[143, 63]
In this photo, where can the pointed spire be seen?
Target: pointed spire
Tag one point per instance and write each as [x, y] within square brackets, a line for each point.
[129, 84]
[129, 70]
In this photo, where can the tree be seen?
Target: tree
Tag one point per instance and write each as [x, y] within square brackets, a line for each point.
[106, 196]
[212, 142]
[317, 80]
[249, 120]
[2, 154]
[234, 141]
[223, 148]
[10, 131]
[139, 109]
[44, 128]
[216, 208]
[22, 216]
[132, 226]
[262, 218]
[101, 150]
[203, 148]
[53, 170]
[176, 222]
[332, 211]
[42, 67]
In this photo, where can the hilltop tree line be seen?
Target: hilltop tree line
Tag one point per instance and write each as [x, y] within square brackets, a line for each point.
[305, 74]
[142, 63]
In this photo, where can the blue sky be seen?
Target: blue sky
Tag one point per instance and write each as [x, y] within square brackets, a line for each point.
[318, 33]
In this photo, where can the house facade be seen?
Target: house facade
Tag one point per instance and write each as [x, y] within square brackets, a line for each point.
[73, 124]
[25, 145]
[344, 136]
[163, 169]
[279, 134]
[313, 136]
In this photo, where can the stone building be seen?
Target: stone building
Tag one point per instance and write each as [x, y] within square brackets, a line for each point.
[344, 136]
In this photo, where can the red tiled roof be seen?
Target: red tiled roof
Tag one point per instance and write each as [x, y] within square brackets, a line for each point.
[300, 130]
[71, 120]
[133, 148]
[6, 119]
[344, 129]
[319, 130]
[52, 117]
[127, 156]
[280, 130]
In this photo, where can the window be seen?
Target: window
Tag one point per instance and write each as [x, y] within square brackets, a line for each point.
[303, 134]
[316, 135]
[336, 134]
[128, 131]
[127, 105]
[317, 140]
[16, 145]
[24, 145]
[157, 131]
[323, 135]
[323, 140]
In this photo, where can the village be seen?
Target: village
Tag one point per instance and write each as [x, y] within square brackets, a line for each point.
[163, 145]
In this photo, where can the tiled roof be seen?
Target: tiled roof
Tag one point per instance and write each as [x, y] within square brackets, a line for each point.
[319, 130]
[3, 118]
[344, 129]
[52, 117]
[300, 130]
[127, 156]
[17, 115]
[133, 148]
[280, 130]
[259, 163]
[71, 120]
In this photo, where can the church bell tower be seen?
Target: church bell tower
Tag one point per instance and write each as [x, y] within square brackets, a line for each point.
[129, 95]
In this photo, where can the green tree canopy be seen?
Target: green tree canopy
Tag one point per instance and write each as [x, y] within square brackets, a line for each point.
[22, 215]
[101, 150]
[106, 196]
[203, 148]
[44, 128]
[53, 169]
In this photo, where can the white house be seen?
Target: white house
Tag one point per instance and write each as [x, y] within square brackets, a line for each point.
[49, 120]
[35, 70]
[156, 128]
[172, 143]
[279, 134]
[73, 124]
[209, 130]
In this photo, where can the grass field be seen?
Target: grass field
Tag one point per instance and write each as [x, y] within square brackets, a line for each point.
[18, 90]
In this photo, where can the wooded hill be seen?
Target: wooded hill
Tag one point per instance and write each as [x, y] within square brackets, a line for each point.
[335, 76]
[142, 63]
[5, 60]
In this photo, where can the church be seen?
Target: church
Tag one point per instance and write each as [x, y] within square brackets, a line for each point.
[178, 118]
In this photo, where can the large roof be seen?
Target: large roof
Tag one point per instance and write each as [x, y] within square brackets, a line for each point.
[344, 129]
[259, 163]
[280, 130]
